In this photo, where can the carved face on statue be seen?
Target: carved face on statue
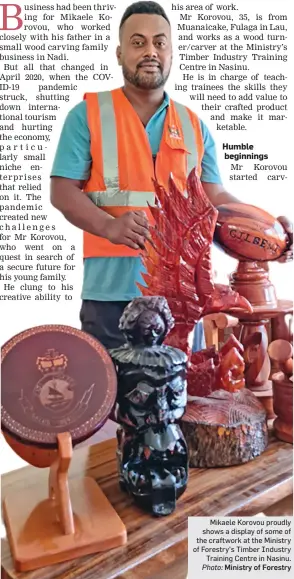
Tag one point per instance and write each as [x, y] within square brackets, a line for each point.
[152, 377]
[151, 329]
[146, 321]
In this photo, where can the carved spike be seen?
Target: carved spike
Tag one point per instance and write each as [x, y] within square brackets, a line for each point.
[196, 194]
[162, 286]
[168, 209]
[203, 275]
[167, 233]
[154, 212]
[183, 211]
[160, 192]
[162, 249]
[188, 292]
[147, 278]
[186, 273]
[144, 290]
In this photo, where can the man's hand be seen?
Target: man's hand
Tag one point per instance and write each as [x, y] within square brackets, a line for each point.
[130, 229]
[288, 226]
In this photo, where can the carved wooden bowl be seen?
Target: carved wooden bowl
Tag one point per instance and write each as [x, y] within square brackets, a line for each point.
[54, 379]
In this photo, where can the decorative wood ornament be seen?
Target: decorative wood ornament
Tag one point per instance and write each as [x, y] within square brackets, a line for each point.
[249, 233]
[152, 395]
[178, 264]
[254, 238]
[58, 388]
[179, 267]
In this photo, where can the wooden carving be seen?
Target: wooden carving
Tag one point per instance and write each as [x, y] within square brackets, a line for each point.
[152, 395]
[223, 423]
[249, 233]
[179, 267]
[58, 388]
[210, 370]
[255, 237]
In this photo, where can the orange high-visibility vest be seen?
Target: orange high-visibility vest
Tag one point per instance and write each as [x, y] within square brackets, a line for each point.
[122, 164]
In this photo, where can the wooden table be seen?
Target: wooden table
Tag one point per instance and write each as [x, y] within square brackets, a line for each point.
[157, 548]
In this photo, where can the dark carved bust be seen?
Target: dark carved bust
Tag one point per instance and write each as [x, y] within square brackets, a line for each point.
[152, 452]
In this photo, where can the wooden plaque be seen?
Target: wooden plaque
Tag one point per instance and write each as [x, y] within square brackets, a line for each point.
[58, 388]
[55, 379]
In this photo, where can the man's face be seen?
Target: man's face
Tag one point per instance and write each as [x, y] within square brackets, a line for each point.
[145, 52]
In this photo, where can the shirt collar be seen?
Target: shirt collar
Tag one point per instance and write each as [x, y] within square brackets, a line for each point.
[166, 100]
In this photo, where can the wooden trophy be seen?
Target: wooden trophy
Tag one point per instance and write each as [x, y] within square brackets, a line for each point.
[58, 388]
[254, 238]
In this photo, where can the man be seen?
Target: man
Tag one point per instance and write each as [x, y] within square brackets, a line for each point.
[111, 147]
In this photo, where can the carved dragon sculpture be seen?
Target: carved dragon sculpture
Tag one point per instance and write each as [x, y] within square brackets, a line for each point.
[178, 267]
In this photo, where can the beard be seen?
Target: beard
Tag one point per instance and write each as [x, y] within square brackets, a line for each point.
[144, 79]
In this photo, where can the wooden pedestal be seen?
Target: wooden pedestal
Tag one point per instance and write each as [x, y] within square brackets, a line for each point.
[76, 519]
[251, 280]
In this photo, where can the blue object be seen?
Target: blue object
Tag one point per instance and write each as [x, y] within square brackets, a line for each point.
[199, 337]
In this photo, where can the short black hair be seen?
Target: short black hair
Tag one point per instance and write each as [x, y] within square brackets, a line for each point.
[143, 8]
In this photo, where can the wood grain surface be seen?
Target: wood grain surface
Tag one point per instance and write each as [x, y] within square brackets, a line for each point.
[157, 548]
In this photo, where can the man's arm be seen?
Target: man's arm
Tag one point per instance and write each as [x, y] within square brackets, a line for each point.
[71, 169]
[77, 208]
[130, 229]
[215, 191]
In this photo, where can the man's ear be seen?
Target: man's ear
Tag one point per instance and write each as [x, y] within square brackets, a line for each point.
[118, 54]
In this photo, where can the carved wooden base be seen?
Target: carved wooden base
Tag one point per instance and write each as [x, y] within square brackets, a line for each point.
[76, 519]
[251, 280]
[224, 429]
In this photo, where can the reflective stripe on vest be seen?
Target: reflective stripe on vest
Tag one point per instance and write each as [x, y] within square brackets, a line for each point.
[106, 150]
[189, 137]
[113, 196]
